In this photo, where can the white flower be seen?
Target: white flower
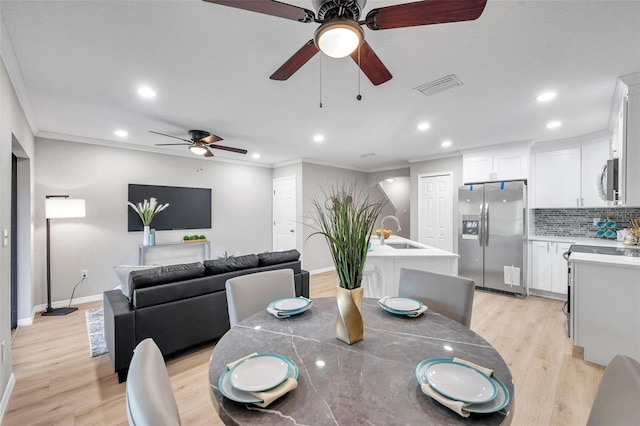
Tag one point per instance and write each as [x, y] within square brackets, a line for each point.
[147, 210]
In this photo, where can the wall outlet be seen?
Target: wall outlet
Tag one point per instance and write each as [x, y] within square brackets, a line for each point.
[595, 221]
[84, 273]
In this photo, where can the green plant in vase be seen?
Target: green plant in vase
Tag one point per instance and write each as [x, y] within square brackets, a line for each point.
[346, 218]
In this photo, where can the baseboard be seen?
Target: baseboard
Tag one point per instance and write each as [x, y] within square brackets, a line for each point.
[60, 304]
[7, 395]
[322, 270]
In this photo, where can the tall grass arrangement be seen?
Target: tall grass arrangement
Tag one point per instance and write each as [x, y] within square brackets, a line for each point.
[148, 209]
[346, 218]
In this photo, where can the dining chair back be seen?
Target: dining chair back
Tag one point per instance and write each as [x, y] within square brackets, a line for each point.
[251, 293]
[149, 396]
[617, 400]
[449, 295]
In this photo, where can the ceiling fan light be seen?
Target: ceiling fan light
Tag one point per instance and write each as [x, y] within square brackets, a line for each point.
[198, 149]
[338, 38]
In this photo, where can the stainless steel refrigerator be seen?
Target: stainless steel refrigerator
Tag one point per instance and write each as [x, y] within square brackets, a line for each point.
[492, 235]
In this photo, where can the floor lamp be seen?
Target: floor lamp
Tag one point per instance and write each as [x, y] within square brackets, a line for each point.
[59, 207]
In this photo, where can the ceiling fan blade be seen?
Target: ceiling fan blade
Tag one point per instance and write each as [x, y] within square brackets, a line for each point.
[371, 65]
[425, 12]
[294, 63]
[211, 139]
[169, 144]
[171, 136]
[270, 7]
[208, 154]
[228, 148]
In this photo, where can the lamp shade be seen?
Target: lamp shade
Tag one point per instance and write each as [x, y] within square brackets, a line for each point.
[60, 208]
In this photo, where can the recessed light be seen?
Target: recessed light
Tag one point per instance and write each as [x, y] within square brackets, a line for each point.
[146, 92]
[423, 126]
[553, 124]
[545, 97]
[389, 180]
[318, 138]
[121, 133]
[445, 144]
[256, 155]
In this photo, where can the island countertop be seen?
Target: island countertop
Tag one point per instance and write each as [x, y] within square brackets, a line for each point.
[384, 250]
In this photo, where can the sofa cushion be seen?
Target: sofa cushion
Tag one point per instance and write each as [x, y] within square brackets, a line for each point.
[165, 274]
[276, 257]
[122, 272]
[230, 264]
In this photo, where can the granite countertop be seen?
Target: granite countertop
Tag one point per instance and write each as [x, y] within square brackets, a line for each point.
[384, 250]
[370, 382]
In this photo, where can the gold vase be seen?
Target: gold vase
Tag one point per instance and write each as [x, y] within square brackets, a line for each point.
[349, 325]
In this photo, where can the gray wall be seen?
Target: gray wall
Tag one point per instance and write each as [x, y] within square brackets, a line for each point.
[449, 164]
[241, 198]
[15, 135]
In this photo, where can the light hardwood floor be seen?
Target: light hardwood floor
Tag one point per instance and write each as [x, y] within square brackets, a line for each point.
[58, 383]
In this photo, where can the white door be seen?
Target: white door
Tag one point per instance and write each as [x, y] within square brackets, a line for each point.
[435, 211]
[284, 213]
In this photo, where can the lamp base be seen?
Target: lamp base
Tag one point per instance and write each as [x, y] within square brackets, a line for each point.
[58, 312]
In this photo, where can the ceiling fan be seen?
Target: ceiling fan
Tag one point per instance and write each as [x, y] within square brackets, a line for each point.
[200, 143]
[340, 33]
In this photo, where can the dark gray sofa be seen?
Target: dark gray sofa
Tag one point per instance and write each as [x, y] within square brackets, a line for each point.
[181, 306]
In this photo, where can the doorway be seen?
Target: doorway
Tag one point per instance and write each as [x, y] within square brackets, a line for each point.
[14, 242]
[435, 210]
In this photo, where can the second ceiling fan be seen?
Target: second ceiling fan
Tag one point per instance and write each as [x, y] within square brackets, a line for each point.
[340, 33]
[200, 142]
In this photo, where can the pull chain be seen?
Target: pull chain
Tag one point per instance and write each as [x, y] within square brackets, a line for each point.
[359, 97]
[320, 80]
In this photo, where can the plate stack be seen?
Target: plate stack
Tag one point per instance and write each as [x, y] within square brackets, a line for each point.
[402, 306]
[251, 379]
[284, 308]
[459, 381]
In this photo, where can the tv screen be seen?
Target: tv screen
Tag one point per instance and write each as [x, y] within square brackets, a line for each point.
[189, 208]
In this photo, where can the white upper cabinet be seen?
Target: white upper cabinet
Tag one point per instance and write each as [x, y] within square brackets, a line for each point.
[495, 164]
[569, 177]
[557, 178]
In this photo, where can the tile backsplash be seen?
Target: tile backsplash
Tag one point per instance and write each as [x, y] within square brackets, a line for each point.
[578, 222]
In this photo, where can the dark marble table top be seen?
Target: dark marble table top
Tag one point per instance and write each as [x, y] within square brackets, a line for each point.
[371, 382]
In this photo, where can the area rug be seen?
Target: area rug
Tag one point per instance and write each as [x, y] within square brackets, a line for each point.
[95, 329]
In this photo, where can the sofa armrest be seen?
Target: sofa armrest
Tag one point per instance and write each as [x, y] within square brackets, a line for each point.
[119, 334]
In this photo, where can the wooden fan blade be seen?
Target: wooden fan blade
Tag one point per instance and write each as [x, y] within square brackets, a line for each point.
[208, 154]
[425, 12]
[171, 136]
[211, 139]
[371, 65]
[270, 7]
[294, 63]
[228, 148]
[168, 144]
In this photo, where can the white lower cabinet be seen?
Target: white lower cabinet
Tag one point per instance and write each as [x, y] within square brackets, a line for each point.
[549, 269]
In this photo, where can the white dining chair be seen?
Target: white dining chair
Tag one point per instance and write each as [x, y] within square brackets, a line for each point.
[449, 295]
[251, 293]
[617, 400]
[149, 397]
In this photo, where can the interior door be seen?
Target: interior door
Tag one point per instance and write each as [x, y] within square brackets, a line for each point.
[435, 211]
[284, 213]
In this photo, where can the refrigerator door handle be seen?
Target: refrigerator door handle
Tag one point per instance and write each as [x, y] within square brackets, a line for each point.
[486, 225]
[481, 225]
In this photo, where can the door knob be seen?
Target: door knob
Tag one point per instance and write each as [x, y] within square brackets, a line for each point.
[291, 230]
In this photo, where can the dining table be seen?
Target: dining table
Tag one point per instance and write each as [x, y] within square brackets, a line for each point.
[370, 382]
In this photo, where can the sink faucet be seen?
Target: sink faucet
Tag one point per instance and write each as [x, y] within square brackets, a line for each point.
[398, 228]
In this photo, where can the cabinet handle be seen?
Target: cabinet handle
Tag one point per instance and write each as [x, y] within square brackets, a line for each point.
[578, 202]
[547, 247]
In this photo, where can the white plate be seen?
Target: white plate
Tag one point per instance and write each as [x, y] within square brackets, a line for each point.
[402, 304]
[460, 382]
[290, 304]
[237, 395]
[259, 373]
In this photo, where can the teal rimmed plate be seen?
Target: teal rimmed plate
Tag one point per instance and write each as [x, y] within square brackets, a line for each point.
[460, 382]
[259, 372]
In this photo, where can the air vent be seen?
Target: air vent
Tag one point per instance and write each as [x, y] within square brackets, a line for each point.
[435, 86]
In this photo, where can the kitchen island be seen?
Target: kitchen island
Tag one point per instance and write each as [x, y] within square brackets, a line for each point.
[384, 261]
[605, 302]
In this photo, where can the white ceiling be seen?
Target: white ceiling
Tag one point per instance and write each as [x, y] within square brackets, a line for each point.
[80, 63]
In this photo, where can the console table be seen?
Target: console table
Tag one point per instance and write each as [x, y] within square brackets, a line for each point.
[172, 253]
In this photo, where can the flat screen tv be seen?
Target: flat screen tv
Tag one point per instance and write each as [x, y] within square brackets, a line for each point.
[189, 208]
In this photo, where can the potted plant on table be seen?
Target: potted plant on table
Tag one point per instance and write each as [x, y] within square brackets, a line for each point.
[147, 210]
[346, 218]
